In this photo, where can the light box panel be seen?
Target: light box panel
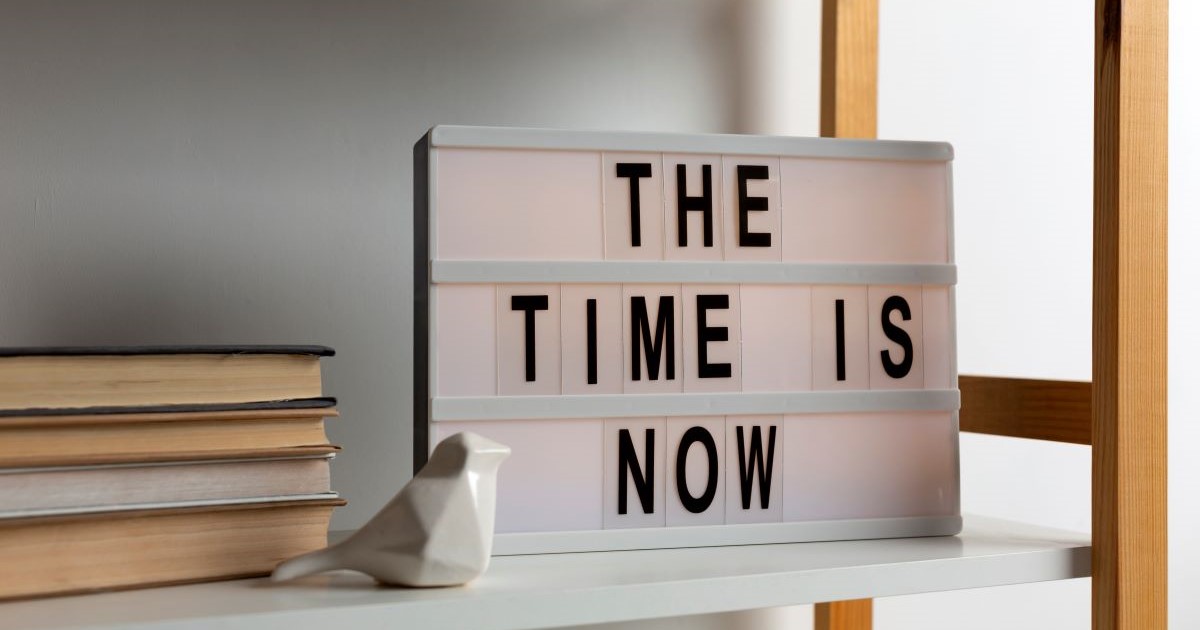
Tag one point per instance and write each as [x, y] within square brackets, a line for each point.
[690, 340]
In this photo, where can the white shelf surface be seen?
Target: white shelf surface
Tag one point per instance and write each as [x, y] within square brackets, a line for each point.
[567, 589]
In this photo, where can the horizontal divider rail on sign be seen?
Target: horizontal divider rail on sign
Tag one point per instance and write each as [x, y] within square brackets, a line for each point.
[568, 271]
[697, 404]
[556, 139]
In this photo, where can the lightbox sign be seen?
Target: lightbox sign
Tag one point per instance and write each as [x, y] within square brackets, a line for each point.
[690, 339]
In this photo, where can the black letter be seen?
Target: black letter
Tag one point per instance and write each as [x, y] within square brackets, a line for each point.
[634, 172]
[591, 340]
[702, 203]
[756, 456]
[530, 304]
[746, 238]
[898, 335]
[839, 316]
[696, 505]
[627, 464]
[706, 333]
[640, 325]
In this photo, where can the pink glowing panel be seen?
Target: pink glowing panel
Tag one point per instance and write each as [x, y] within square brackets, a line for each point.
[754, 472]
[870, 466]
[633, 189]
[701, 240]
[656, 341]
[528, 340]
[864, 211]
[552, 481]
[839, 349]
[897, 346]
[752, 213]
[466, 347]
[697, 497]
[939, 348]
[518, 205]
[634, 451]
[717, 342]
[776, 338]
[591, 352]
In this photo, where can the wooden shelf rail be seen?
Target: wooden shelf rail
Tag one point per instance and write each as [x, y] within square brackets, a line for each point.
[1060, 411]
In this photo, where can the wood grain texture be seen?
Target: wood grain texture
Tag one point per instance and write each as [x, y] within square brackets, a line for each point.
[1060, 411]
[849, 102]
[849, 68]
[853, 614]
[1129, 343]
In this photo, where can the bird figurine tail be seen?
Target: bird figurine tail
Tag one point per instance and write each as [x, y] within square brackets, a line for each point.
[307, 564]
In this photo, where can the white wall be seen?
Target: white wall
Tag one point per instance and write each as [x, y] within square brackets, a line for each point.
[233, 171]
[1183, 276]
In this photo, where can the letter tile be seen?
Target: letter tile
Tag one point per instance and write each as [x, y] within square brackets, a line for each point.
[896, 332]
[753, 217]
[754, 469]
[700, 199]
[528, 348]
[712, 343]
[633, 206]
[591, 339]
[652, 338]
[840, 338]
[695, 491]
[634, 472]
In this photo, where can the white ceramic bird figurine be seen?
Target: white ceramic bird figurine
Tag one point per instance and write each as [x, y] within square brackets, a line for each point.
[437, 531]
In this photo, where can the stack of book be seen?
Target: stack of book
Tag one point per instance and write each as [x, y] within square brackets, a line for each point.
[138, 466]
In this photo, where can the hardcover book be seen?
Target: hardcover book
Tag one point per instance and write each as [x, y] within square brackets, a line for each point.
[66, 377]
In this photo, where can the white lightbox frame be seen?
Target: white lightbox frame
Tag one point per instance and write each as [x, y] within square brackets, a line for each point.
[430, 271]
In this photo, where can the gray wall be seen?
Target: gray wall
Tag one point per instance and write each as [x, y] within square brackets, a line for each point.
[207, 172]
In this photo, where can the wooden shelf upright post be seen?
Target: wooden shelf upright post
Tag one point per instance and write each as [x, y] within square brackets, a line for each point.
[849, 68]
[849, 97]
[1129, 318]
